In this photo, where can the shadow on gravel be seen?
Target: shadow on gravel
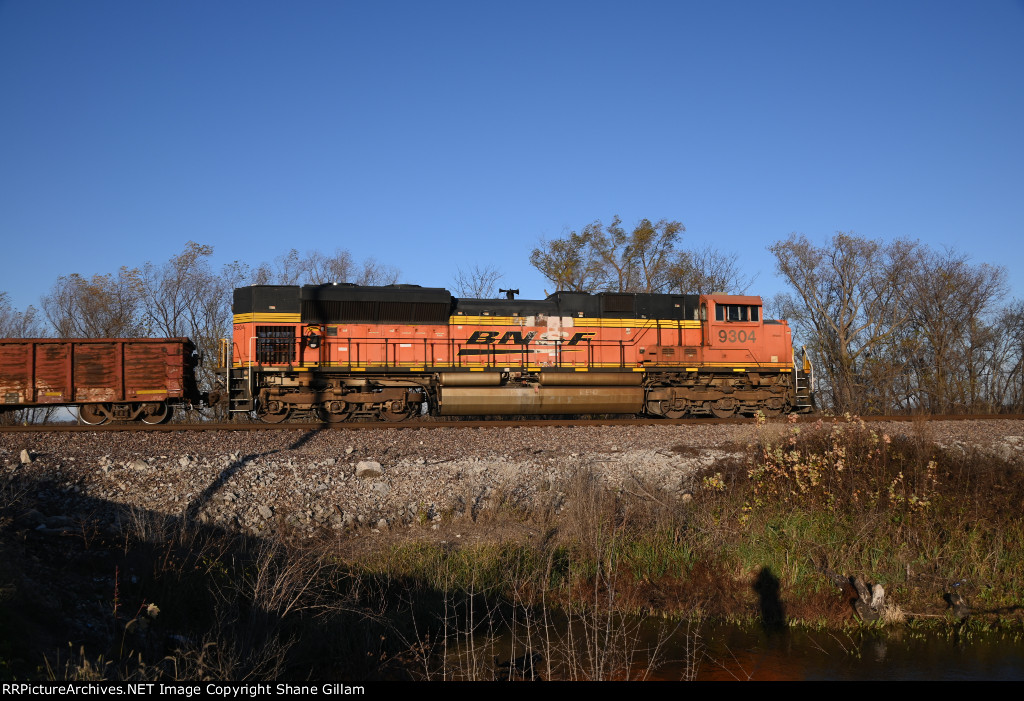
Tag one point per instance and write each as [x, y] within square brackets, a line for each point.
[91, 589]
[197, 504]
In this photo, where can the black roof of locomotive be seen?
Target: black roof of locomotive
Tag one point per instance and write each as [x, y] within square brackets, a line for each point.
[262, 299]
[603, 305]
[348, 303]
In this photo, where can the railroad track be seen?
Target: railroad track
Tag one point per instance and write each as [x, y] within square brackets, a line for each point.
[457, 424]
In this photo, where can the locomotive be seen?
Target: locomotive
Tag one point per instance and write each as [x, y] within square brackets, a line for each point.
[342, 352]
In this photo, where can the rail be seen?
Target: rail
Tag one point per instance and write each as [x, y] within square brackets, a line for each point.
[455, 423]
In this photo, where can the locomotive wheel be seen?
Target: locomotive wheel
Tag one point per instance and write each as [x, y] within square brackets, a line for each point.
[723, 408]
[773, 407]
[273, 413]
[665, 410]
[160, 415]
[274, 418]
[397, 411]
[92, 415]
[335, 412]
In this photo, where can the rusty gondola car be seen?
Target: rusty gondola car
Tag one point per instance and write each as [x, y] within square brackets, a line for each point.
[340, 352]
[106, 379]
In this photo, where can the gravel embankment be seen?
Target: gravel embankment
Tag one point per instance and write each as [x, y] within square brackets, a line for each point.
[382, 479]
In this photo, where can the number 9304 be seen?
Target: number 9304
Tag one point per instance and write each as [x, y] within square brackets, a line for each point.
[736, 336]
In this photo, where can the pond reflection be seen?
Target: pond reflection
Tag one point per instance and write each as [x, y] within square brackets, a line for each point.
[734, 653]
[589, 647]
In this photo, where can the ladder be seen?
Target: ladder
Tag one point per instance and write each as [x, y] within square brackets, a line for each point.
[803, 382]
[239, 391]
[237, 381]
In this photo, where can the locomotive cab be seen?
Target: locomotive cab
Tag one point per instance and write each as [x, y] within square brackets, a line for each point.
[734, 331]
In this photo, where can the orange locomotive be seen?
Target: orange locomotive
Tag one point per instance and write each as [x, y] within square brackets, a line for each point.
[343, 351]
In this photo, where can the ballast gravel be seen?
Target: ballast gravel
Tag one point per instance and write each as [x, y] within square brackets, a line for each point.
[375, 480]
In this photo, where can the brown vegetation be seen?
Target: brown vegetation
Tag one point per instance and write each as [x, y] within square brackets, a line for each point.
[897, 327]
[777, 537]
[647, 259]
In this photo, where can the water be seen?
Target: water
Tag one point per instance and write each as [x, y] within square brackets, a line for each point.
[659, 650]
[734, 653]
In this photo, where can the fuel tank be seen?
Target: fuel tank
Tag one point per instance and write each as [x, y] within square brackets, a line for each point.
[475, 401]
[591, 379]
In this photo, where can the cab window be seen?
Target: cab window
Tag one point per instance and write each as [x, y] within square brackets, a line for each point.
[737, 312]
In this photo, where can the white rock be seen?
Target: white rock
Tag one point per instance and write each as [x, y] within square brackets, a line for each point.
[368, 468]
[139, 466]
[877, 596]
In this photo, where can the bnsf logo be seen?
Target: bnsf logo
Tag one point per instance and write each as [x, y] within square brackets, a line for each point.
[484, 338]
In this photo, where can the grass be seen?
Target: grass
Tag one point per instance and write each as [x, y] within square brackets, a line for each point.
[764, 539]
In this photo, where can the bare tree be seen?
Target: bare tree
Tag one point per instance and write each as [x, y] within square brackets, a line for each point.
[953, 314]
[479, 282]
[1007, 365]
[289, 268]
[706, 271]
[262, 274]
[635, 261]
[103, 306]
[18, 324]
[372, 272]
[569, 263]
[321, 269]
[174, 292]
[611, 258]
[180, 297]
[317, 268]
[185, 297]
[648, 258]
[848, 306]
[901, 327]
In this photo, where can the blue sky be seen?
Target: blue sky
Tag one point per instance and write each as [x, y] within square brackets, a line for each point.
[444, 134]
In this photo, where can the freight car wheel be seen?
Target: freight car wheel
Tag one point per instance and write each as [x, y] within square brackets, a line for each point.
[157, 414]
[92, 415]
